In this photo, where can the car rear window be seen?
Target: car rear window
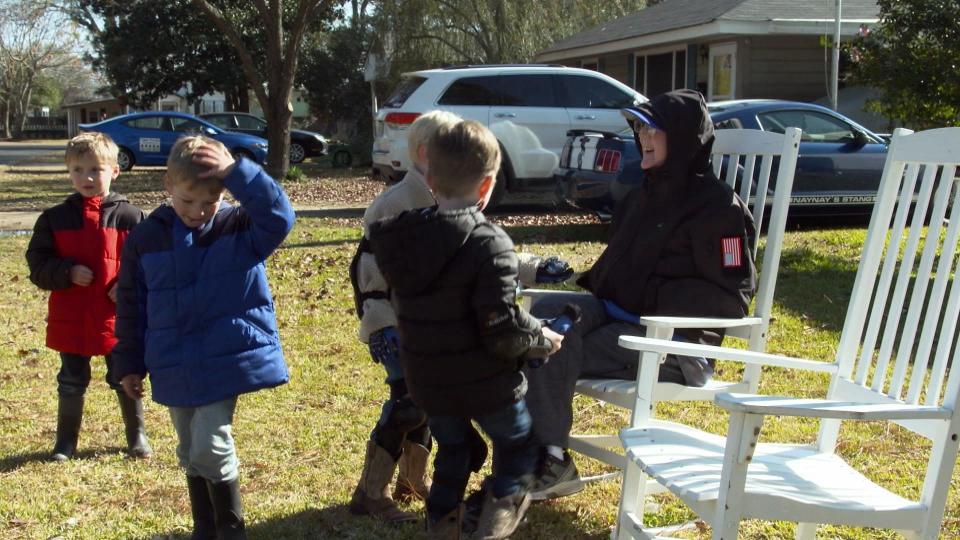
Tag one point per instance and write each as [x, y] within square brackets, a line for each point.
[527, 91]
[404, 90]
[478, 91]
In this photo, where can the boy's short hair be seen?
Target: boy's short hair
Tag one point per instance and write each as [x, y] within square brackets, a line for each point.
[182, 169]
[460, 157]
[92, 142]
[424, 127]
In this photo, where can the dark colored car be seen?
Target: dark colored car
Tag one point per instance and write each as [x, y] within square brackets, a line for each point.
[146, 138]
[303, 144]
[838, 169]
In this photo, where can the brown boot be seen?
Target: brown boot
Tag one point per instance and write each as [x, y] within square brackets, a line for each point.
[412, 480]
[372, 496]
[447, 527]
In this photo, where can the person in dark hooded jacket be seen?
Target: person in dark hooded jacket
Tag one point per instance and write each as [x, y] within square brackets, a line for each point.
[453, 280]
[678, 246]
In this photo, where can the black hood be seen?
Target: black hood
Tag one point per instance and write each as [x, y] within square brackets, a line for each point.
[682, 114]
[413, 248]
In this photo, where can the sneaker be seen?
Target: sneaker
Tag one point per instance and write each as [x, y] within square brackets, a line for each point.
[500, 517]
[558, 478]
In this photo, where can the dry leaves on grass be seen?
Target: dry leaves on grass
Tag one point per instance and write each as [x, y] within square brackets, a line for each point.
[356, 190]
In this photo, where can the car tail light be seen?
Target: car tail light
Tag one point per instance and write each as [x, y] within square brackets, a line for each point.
[607, 161]
[400, 120]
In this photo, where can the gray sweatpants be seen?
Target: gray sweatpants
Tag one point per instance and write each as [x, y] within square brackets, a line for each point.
[206, 447]
[589, 351]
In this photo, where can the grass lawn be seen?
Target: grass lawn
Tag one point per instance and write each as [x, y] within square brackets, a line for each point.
[301, 445]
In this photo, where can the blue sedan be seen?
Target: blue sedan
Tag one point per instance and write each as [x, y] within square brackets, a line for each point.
[838, 169]
[146, 138]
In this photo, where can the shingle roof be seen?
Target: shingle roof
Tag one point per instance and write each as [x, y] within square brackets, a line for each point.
[672, 14]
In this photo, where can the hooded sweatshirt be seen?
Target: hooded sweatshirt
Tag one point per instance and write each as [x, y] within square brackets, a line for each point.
[453, 278]
[680, 243]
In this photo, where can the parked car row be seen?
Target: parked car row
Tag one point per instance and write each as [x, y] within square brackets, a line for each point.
[146, 138]
[303, 144]
[838, 169]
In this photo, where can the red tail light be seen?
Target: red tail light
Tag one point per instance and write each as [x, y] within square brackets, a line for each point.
[400, 120]
[607, 161]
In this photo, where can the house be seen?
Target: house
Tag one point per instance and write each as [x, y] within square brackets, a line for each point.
[298, 100]
[727, 49]
[100, 109]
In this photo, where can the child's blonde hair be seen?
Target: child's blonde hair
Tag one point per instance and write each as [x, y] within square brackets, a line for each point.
[182, 169]
[92, 142]
[424, 127]
[460, 156]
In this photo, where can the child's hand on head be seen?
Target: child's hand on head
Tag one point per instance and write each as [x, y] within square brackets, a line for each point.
[216, 159]
[81, 275]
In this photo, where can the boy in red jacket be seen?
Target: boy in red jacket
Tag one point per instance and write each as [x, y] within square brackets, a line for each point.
[75, 254]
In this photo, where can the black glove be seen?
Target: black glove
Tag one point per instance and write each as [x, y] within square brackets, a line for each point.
[553, 270]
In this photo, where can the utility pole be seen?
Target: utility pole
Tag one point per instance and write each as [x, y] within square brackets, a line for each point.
[835, 74]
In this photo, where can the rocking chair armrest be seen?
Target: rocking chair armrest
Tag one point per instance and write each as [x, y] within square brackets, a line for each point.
[698, 322]
[538, 293]
[828, 408]
[679, 348]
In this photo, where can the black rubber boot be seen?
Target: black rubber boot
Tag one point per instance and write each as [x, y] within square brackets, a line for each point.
[227, 510]
[69, 418]
[132, 410]
[204, 526]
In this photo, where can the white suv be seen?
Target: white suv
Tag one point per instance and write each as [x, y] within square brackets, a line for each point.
[529, 108]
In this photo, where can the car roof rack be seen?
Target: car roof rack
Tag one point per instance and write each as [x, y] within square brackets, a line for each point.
[475, 66]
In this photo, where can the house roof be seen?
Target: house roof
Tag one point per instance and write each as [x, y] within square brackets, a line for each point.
[670, 15]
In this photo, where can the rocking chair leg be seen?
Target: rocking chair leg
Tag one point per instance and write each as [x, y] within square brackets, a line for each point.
[806, 531]
[634, 496]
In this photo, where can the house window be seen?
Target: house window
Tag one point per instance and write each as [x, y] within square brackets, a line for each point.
[723, 71]
[661, 72]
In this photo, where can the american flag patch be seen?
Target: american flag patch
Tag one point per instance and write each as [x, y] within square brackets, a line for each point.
[732, 252]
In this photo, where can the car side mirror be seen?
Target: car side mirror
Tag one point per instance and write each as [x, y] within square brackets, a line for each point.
[209, 131]
[860, 138]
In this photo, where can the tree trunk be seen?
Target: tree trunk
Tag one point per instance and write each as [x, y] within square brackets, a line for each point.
[5, 127]
[278, 133]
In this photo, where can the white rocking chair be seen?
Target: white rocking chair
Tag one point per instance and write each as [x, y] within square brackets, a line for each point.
[753, 152]
[899, 338]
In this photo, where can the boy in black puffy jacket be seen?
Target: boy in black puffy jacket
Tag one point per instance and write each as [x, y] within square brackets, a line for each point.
[453, 276]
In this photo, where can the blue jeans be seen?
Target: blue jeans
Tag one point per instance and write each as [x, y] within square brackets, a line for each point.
[514, 455]
[206, 447]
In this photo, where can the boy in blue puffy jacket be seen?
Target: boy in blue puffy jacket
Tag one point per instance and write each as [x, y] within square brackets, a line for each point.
[194, 311]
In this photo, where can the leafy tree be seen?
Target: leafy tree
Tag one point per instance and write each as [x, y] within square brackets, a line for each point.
[913, 57]
[149, 49]
[488, 31]
[270, 70]
[33, 41]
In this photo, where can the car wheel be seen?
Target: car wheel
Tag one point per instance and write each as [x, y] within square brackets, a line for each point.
[239, 153]
[125, 159]
[499, 190]
[342, 158]
[297, 153]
